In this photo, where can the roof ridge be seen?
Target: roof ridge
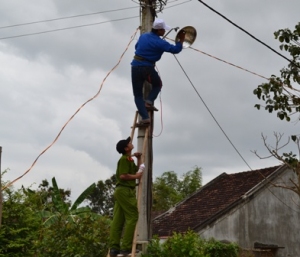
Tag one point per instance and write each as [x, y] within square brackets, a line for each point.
[171, 209]
[263, 169]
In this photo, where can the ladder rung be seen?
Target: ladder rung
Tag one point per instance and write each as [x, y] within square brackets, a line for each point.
[142, 242]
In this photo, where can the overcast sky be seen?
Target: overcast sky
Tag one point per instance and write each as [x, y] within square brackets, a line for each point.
[46, 77]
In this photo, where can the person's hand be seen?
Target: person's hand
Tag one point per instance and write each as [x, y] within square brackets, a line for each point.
[139, 175]
[137, 155]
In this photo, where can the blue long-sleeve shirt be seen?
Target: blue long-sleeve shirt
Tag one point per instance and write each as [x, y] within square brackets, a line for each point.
[151, 47]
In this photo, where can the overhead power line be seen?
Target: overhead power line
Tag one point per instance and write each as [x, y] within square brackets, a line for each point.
[177, 4]
[266, 179]
[211, 114]
[64, 18]
[293, 63]
[82, 15]
[74, 27]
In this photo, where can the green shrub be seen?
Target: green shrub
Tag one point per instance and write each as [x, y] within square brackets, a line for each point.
[86, 238]
[190, 245]
[19, 226]
[214, 248]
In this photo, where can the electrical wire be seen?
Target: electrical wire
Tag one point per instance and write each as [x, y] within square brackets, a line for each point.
[74, 27]
[221, 60]
[178, 4]
[293, 63]
[64, 126]
[49, 31]
[212, 114]
[66, 17]
[161, 110]
[222, 128]
[236, 66]
[265, 178]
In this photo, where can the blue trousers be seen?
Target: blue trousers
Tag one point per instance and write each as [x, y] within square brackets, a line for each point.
[140, 74]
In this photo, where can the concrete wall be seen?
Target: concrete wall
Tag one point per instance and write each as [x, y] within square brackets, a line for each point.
[270, 216]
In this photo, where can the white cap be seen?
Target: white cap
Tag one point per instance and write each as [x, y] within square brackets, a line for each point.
[160, 24]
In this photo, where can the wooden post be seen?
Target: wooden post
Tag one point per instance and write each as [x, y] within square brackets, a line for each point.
[139, 192]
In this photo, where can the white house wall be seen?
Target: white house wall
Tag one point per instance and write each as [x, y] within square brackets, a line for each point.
[272, 216]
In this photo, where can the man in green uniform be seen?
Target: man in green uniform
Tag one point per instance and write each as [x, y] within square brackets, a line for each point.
[125, 214]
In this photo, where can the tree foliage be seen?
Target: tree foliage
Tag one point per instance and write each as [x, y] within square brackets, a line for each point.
[168, 189]
[62, 209]
[190, 244]
[281, 94]
[19, 225]
[101, 199]
[87, 237]
[44, 223]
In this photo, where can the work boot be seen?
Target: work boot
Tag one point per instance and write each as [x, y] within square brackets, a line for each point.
[150, 107]
[145, 121]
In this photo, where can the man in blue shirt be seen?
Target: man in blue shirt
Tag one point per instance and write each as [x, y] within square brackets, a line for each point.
[148, 50]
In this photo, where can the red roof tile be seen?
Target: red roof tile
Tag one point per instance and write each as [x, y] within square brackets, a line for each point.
[211, 199]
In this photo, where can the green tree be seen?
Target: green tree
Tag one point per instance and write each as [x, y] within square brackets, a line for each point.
[71, 230]
[44, 223]
[168, 189]
[60, 208]
[88, 236]
[41, 198]
[191, 182]
[20, 225]
[281, 95]
[101, 199]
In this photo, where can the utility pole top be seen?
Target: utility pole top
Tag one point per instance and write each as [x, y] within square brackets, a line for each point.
[148, 14]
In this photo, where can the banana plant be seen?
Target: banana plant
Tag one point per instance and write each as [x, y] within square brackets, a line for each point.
[61, 209]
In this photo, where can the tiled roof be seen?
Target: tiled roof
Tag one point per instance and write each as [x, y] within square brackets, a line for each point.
[214, 197]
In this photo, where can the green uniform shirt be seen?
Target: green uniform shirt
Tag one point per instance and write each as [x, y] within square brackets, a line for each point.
[126, 165]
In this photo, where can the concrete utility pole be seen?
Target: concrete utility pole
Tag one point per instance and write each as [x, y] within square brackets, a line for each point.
[1, 198]
[144, 224]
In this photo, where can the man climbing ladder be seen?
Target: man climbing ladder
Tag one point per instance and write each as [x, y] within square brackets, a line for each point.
[125, 214]
[148, 50]
[126, 211]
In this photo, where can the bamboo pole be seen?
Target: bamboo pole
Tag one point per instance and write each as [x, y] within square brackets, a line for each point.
[139, 193]
[133, 125]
